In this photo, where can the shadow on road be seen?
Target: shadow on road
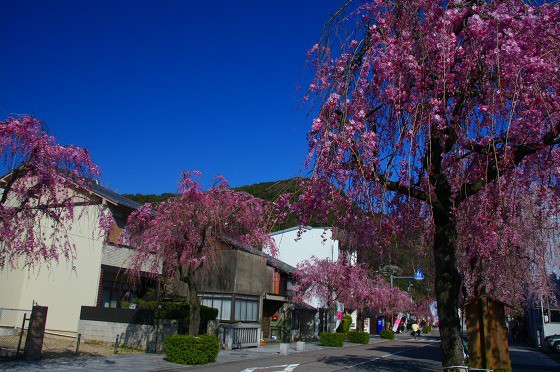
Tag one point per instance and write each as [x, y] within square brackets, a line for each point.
[419, 357]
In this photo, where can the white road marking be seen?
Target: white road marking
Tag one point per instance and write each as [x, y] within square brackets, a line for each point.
[288, 368]
[384, 356]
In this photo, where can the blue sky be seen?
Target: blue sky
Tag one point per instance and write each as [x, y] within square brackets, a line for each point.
[152, 88]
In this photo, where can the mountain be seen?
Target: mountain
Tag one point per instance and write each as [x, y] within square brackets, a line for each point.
[269, 191]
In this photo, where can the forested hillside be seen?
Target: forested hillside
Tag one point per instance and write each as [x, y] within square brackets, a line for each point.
[268, 191]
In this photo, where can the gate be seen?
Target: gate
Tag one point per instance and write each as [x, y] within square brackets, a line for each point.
[13, 327]
[239, 336]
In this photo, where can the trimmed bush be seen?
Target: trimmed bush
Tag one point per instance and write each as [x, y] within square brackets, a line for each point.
[169, 310]
[387, 333]
[426, 329]
[331, 339]
[206, 314]
[345, 324]
[358, 337]
[179, 311]
[185, 349]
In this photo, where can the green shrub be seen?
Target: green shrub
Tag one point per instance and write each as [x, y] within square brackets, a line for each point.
[345, 324]
[206, 314]
[331, 339]
[169, 310]
[185, 349]
[426, 329]
[387, 333]
[179, 311]
[358, 337]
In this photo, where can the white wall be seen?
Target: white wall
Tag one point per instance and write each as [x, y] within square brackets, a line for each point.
[57, 286]
[313, 241]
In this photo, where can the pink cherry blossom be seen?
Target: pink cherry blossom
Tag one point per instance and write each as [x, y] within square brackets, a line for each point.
[38, 200]
[459, 138]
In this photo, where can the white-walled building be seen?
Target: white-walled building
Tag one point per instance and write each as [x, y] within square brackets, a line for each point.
[98, 275]
[295, 246]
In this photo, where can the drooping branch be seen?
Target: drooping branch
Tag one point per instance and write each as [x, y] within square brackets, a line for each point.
[520, 152]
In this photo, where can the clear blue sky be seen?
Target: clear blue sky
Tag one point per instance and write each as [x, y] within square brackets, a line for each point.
[152, 88]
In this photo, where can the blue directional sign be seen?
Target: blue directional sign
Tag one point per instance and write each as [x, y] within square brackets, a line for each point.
[419, 275]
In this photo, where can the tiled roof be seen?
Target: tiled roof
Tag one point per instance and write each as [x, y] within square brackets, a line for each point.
[113, 196]
[96, 188]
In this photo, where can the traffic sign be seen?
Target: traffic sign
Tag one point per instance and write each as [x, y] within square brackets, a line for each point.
[419, 275]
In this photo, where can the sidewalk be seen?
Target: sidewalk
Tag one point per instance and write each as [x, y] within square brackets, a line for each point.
[523, 358]
[153, 362]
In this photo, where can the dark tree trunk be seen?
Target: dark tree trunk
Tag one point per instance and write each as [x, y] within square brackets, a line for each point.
[332, 318]
[185, 286]
[447, 286]
[194, 302]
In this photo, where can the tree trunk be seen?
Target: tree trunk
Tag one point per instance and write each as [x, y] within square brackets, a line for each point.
[185, 286]
[194, 302]
[447, 287]
[332, 313]
[194, 318]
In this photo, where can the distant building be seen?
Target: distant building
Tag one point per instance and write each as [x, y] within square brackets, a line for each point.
[296, 245]
[299, 244]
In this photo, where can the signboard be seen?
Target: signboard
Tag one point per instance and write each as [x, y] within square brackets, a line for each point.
[366, 325]
[419, 275]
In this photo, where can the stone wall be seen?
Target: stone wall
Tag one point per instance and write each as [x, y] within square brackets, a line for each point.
[141, 336]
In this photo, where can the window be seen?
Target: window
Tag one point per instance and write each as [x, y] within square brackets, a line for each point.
[246, 308]
[219, 301]
[232, 307]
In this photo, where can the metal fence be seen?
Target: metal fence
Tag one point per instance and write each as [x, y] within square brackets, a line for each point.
[238, 336]
[13, 323]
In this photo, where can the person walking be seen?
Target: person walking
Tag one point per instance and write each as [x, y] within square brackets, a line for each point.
[415, 330]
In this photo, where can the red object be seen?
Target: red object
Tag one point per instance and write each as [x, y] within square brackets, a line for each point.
[275, 317]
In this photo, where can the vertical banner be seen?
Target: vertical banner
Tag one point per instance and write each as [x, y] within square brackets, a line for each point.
[397, 322]
[366, 325]
[339, 314]
[433, 310]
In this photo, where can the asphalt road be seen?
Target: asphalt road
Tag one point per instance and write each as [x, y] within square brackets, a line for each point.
[402, 355]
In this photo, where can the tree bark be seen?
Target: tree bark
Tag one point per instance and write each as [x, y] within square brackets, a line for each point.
[332, 319]
[447, 287]
[186, 287]
[194, 302]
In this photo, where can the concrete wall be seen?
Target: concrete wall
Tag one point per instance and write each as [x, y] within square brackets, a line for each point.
[253, 275]
[237, 272]
[56, 285]
[141, 336]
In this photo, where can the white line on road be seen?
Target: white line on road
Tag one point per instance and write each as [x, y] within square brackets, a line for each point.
[288, 368]
[384, 356]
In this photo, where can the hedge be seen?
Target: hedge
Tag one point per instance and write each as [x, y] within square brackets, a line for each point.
[179, 311]
[331, 339]
[185, 349]
[206, 314]
[427, 329]
[358, 337]
[387, 333]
